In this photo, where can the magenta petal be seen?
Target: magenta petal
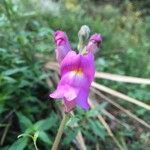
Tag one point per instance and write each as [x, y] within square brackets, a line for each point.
[69, 105]
[87, 63]
[61, 52]
[58, 93]
[75, 61]
[74, 80]
[82, 99]
[70, 62]
[94, 43]
[65, 91]
[91, 47]
[61, 38]
[96, 38]
[70, 93]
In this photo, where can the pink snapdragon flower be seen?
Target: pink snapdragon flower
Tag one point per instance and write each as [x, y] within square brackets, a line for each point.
[77, 73]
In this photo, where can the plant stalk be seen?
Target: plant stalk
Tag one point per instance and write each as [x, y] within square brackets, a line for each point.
[60, 131]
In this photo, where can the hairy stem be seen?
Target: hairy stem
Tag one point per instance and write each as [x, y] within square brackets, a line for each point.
[60, 131]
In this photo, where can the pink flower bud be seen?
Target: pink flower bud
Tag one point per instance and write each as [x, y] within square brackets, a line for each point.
[62, 45]
[94, 43]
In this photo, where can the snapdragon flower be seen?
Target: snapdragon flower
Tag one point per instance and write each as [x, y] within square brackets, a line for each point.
[76, 70]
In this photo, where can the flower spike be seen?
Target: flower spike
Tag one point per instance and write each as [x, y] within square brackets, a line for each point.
[76, 70]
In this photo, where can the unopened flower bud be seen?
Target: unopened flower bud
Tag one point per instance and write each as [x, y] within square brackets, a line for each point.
[62, 45]
[94, 43]
[84, 32]
[83, 35]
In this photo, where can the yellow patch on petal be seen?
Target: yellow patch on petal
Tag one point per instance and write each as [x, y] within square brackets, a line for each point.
[78, 71]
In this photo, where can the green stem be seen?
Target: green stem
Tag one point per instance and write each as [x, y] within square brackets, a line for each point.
[35, 145]
[60, 131]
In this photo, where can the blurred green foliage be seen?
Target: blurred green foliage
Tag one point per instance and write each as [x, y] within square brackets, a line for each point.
[26, 29]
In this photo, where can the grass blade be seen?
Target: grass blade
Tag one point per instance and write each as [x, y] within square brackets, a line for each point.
[112, 117]
[121, 108]
[110, 133]
[121, 78]
[120, 95]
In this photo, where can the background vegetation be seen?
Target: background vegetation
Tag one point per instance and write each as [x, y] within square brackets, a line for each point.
[26, 45]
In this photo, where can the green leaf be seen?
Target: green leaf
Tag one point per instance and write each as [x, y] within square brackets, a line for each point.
[2, 109]
[9, 79]
[95, 111]
[46, 124]
[97, 128]
[44, 137]
[13, 71]
[89, 135]
[70, 136]
[4, 148]
[20, 144]
[72, 121]
[24, 121]
[25, 135]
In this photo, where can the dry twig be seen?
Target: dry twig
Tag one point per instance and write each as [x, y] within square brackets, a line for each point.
[120, 95]
[122, 108]
[120, 78]
[110, 133]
